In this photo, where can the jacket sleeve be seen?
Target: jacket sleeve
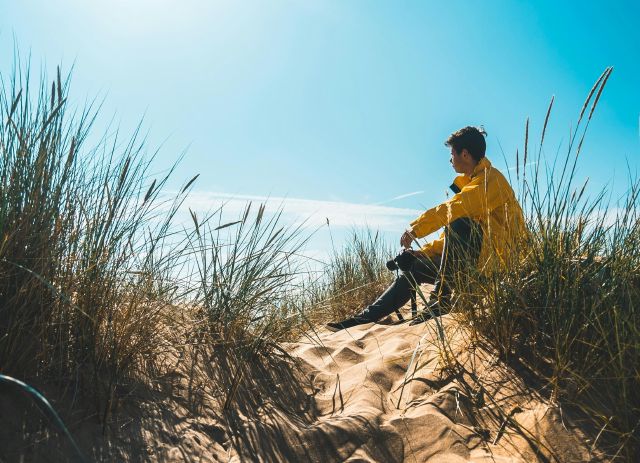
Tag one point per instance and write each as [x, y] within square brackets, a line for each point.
[476, 199]
[434, 248]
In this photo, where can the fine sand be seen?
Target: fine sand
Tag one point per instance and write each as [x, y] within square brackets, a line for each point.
[396, 393]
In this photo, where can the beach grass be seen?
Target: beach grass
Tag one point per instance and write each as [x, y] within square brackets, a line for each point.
[82, 263]
[567, 305]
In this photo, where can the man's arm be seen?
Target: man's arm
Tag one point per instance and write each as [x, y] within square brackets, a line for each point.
[475, 199]
[431, 249]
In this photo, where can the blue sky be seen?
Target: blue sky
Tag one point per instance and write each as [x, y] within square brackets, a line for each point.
[341, 106]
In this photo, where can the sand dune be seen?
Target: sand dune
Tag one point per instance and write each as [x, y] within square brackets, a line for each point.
[396, 393]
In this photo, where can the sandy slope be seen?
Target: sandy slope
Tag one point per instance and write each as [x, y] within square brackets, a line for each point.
[388, 394]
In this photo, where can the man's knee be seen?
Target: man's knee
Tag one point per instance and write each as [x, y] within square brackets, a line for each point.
[464, 238]
[464, 228]
[425, 269]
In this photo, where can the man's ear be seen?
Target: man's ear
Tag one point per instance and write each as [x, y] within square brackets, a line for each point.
[466, 154]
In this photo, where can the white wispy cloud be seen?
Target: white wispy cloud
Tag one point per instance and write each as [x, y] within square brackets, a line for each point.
[312, 212]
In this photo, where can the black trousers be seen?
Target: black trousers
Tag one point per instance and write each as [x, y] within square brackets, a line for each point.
[463, 240]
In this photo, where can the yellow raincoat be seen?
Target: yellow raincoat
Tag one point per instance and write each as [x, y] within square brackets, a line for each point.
[487, 198]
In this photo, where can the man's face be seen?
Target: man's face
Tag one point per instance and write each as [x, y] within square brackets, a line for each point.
[457, 161]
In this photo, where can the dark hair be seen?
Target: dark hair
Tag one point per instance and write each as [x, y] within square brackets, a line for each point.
[469, 138]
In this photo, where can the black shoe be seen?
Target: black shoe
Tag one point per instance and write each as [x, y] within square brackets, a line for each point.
[433, 310]
[348, 323]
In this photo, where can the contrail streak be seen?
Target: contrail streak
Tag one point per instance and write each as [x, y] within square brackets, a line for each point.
[399, 197]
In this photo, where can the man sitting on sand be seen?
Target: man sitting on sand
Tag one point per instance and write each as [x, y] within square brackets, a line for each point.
[482, 223]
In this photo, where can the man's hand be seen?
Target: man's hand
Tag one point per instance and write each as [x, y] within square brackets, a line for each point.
[407, 238]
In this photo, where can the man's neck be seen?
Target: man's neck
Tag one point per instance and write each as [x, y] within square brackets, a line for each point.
[469, 171]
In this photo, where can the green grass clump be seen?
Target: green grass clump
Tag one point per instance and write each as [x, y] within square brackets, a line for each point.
[102, 291]
[246, 272]
[569, 305]
[81, 287]
[241, 299]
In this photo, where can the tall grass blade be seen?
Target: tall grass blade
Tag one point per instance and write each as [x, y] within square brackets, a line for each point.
[189, 183]
[45, 407]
